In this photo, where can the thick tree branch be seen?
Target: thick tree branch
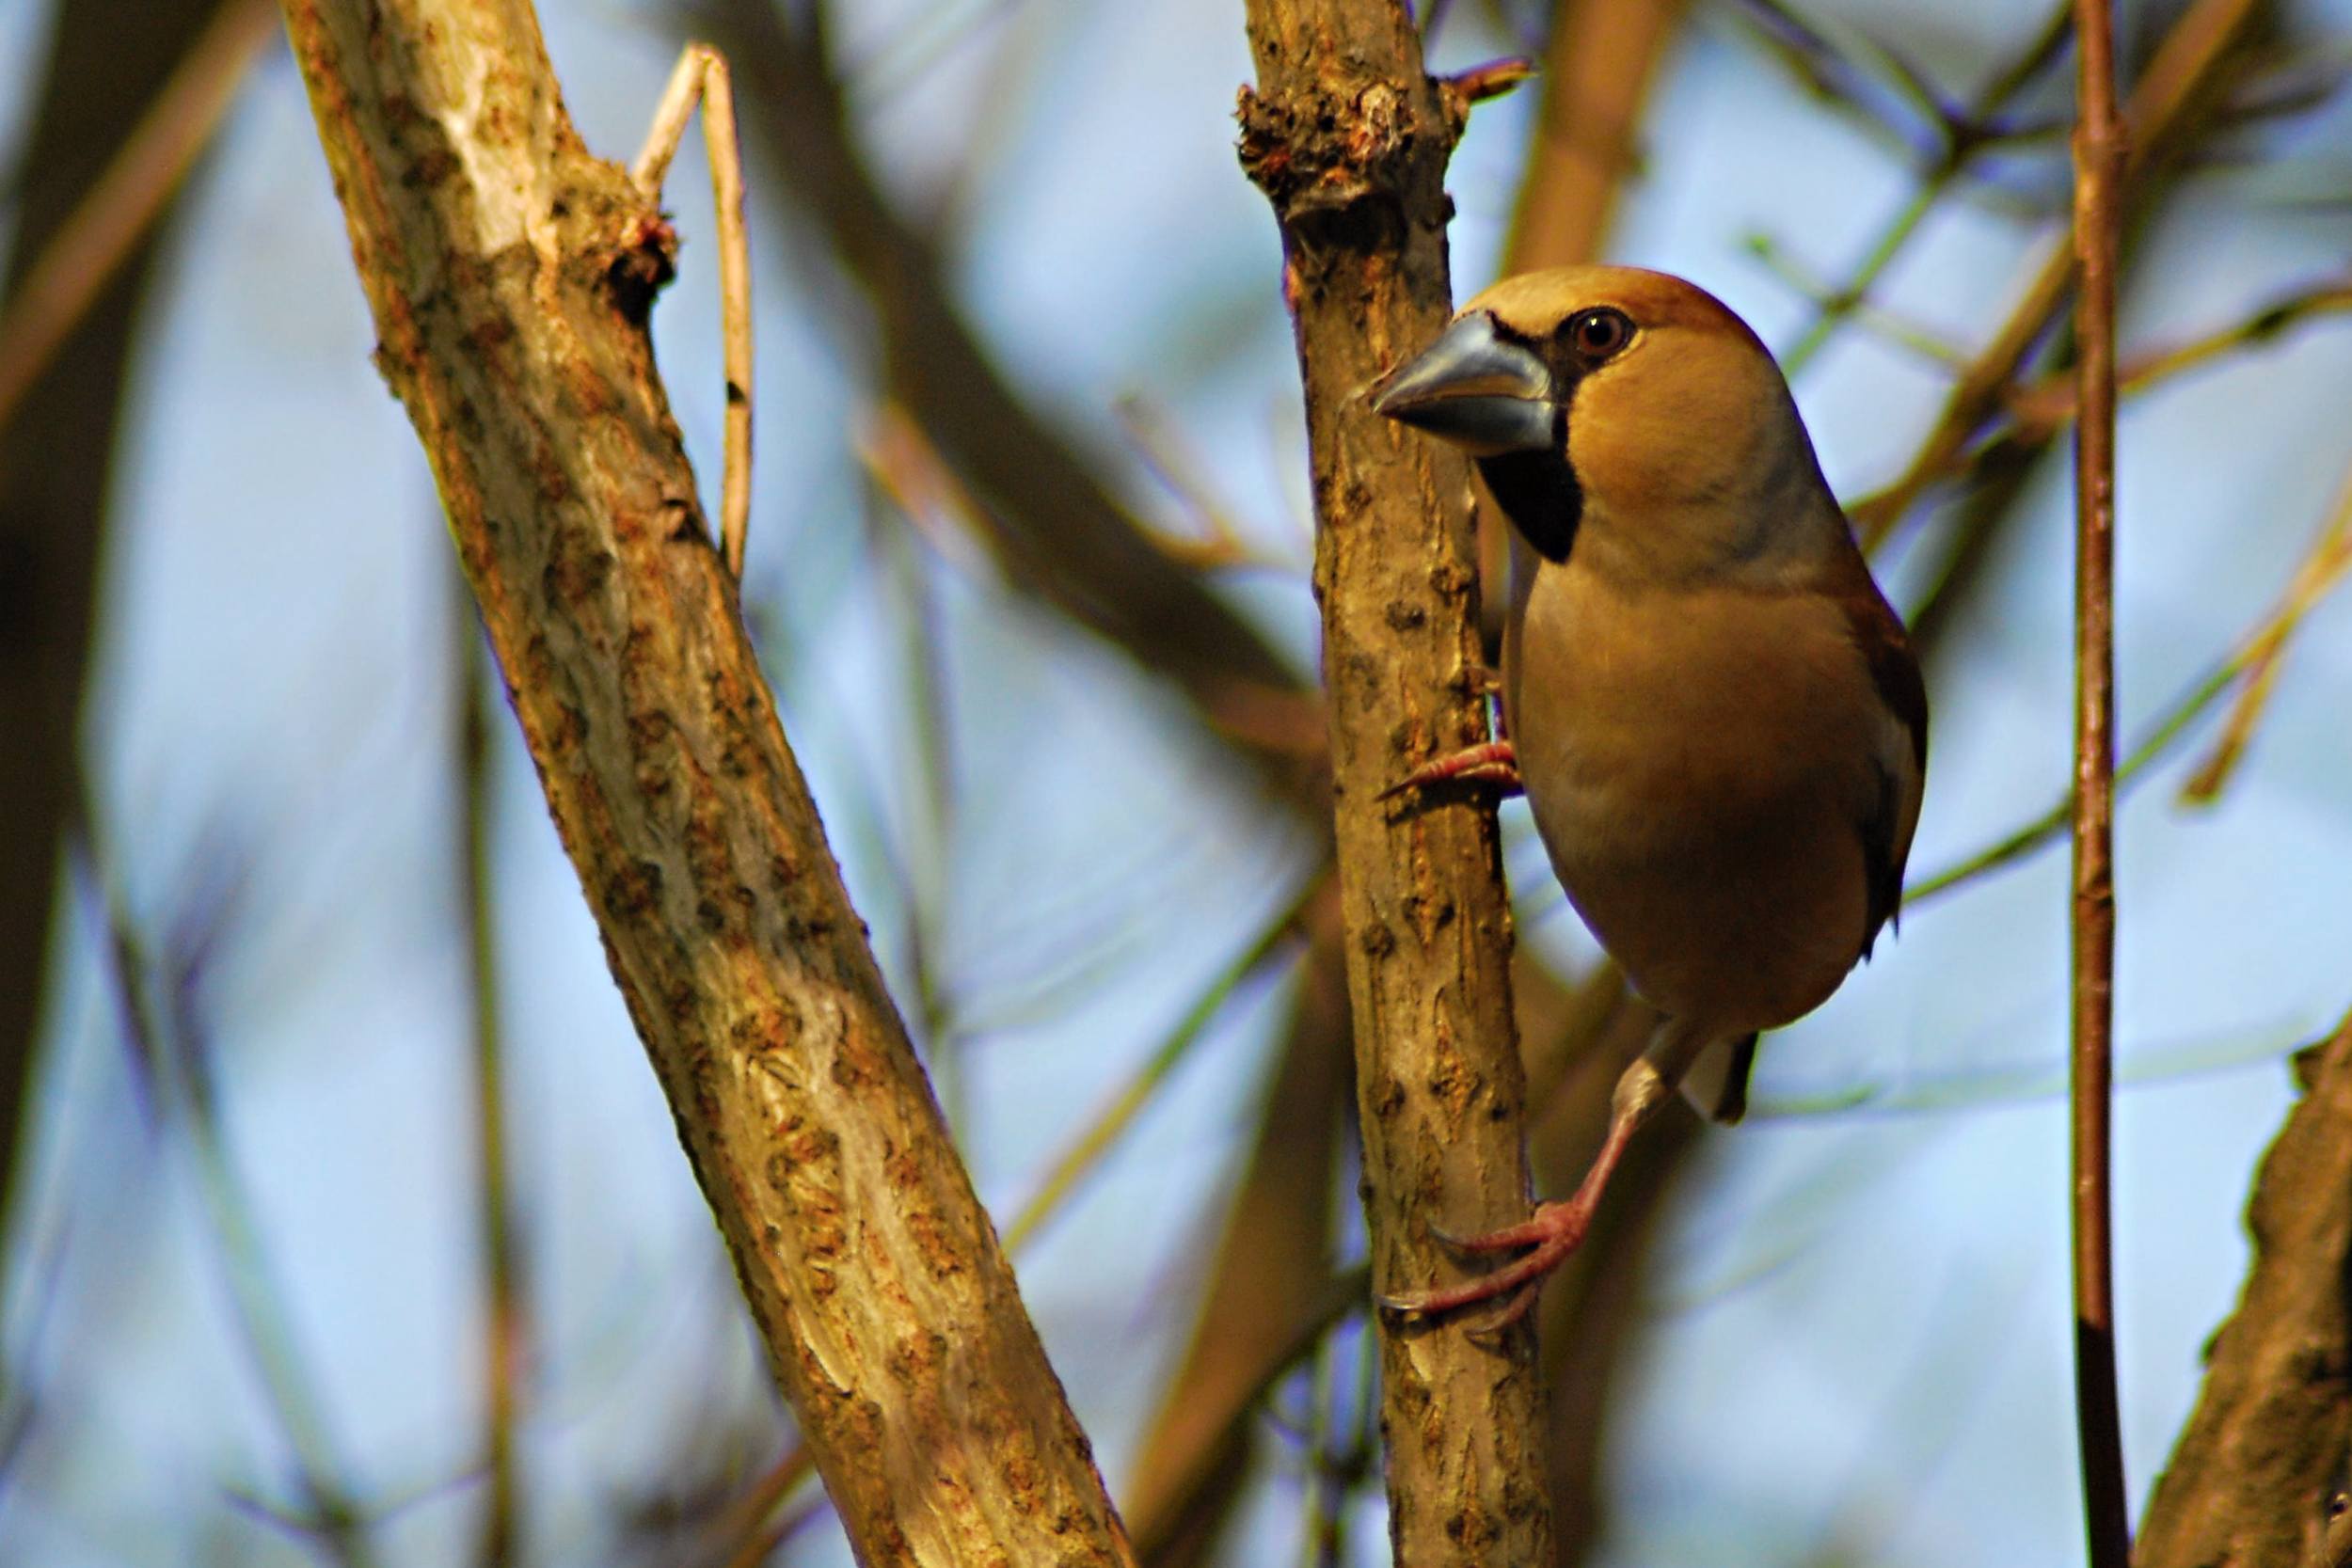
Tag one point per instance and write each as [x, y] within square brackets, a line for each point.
[1349, 139]
[2254, 1479]
[510, 274]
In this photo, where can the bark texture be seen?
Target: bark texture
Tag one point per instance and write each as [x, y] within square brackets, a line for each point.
[510, 274]
[1348, 138]
[2259, 1471]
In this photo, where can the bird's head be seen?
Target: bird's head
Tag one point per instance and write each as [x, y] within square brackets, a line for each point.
[1620, 400]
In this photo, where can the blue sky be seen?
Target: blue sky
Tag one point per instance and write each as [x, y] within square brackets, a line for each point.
[1858, 1328]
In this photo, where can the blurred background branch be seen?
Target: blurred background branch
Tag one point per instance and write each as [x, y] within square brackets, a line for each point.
[66, 351]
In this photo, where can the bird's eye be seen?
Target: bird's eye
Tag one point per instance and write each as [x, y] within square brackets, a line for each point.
[1597, 333]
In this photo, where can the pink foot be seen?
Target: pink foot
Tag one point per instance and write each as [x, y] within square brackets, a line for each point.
[1493, 763]
[1555, 1231]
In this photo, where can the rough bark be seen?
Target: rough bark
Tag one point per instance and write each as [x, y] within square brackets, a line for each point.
[2258, 1473]
[56, 460]
[510, 274]
[1348, 138]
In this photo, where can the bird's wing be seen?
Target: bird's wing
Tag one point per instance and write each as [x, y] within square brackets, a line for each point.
[1901, 757]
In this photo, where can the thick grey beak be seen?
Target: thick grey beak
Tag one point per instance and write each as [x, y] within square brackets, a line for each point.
[1483, 394]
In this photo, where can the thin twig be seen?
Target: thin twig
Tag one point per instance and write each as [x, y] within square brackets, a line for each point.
[85, 253]
[502, 1326]
[2320, 572]
[2041, 409]
[158, 999]
[700, 77]
[1839, 303]
[928, 826]
[1087, 1150]
[2183, 64]
[1058, 532]
[2331, 554]
[1180, 472]
[1319, 1520]
[752, 1537]
[2099, 159]
[2052, 824]
[1267, 1275]
[1963, 137]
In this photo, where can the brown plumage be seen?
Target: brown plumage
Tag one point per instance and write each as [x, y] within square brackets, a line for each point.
[1716, 717]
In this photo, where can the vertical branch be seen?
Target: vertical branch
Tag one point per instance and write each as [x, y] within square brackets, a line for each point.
[502, 1319]
[2098, 170]
[702, 78]
[1597, 73]
[106, 66]
[1348, 138]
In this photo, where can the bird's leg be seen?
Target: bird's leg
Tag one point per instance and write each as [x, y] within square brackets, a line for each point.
[700, 77]
[1557, 1230]
[1494, 762]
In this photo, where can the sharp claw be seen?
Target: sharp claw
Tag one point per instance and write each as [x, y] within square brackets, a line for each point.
[1493, 762]
[1522, 1301]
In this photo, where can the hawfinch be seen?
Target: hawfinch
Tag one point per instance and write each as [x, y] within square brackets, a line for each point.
[1715, 716]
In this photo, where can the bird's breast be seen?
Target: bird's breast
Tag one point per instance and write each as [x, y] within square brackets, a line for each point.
[1696, 761]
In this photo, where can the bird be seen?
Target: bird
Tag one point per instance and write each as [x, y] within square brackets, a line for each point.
[1716, 718]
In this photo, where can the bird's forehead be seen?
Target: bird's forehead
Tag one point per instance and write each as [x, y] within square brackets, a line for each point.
[1535, 303]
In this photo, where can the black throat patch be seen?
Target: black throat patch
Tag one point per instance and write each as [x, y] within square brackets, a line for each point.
[1538, 493]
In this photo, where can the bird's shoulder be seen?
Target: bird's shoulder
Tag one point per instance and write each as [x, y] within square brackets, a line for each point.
[1878, 636]
[1885, 648]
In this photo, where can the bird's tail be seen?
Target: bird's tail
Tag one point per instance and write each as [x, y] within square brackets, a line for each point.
[1715, 1081]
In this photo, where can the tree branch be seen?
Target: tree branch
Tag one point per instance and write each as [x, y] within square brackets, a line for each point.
[104, 72]
[2099, 159]
[1596, 75]
[510, 275]
[2182, 70]
[1348, 138]
[1058, 532]
[2255, 1478]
